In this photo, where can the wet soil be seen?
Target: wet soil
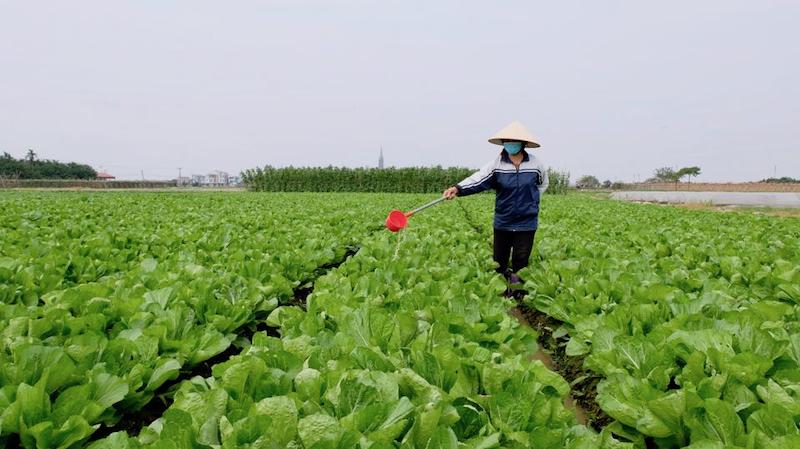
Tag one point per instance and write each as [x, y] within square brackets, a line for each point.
[544, 357]
[583, 382]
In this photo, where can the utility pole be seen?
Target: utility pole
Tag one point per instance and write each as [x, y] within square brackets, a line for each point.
[180, 181]
[142, 171]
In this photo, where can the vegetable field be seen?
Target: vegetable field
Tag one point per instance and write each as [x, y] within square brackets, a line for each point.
[272, 320]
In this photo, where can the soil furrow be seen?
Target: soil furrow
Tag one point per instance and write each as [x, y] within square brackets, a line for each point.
[552, 353]
[133, 422]
[582, 381]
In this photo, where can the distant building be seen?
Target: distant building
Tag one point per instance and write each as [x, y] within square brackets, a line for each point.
[380, 159]
[217, 178]
[105, 176]
[184, 181]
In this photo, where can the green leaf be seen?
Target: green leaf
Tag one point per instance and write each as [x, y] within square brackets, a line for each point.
[178, 429]
[308, 384]
[318, 428]
[34, 403]
[443, 438]
[773, 420]
[159, 297]
[108, 389]
[666, 413]
[208, 345]
[74, 430]
[394, 422]
[472, 418]
[117, 440]
[716, 421]
[283, 417]
[628, 400]
[34, 362]
[166, 370]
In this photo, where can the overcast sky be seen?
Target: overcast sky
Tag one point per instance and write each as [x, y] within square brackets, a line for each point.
[611, 88]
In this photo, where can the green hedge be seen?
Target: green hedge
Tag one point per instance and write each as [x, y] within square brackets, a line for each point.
[335, 179]
[400, 180]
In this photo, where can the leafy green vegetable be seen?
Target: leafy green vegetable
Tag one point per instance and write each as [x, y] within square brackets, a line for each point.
[396, 348]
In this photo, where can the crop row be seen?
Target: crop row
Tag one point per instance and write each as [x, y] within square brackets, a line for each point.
[105, 298]
[407, 344]
[691, 318]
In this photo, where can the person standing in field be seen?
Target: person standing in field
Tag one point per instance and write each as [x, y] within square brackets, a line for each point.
[519, 179]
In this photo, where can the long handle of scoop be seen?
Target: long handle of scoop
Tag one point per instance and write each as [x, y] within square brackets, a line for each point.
[421, 208]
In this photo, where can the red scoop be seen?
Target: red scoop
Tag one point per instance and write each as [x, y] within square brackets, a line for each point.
[398, 220]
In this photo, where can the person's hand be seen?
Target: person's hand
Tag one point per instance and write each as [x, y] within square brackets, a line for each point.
[450, 193]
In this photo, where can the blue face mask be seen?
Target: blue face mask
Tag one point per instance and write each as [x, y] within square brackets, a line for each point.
[512, 147]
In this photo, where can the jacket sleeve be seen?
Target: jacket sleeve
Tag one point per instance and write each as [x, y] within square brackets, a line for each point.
[479, 181]
[544, 180]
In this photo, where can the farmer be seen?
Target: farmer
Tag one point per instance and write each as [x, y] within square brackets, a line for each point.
[518, 179]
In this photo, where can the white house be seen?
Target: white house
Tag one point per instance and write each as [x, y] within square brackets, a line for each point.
[216, 178]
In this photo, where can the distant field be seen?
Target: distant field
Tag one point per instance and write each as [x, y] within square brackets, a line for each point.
[6, 183]
[170, 189]
[719, 187]
[745, 199]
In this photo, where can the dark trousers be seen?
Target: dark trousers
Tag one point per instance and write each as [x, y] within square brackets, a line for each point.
[514, 244]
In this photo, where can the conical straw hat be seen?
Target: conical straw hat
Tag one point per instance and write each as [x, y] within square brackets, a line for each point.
[514, 131]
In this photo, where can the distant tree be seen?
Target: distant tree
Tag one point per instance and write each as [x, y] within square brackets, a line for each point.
[666, 174]
[10, 167]
[617, 185]
[607, 184]
[30, 167]
[587, 182]
[781, 180]
[559, 181]
[689, 172]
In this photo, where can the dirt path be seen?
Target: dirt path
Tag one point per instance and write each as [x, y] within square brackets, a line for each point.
[583, 383]
[544, 357]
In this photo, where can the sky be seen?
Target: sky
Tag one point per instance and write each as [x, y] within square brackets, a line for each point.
[611, 88]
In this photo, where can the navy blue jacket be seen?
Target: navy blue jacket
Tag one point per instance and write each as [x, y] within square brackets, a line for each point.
[518, 190]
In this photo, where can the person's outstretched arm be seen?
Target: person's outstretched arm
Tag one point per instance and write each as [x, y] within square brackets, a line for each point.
[479, 181]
